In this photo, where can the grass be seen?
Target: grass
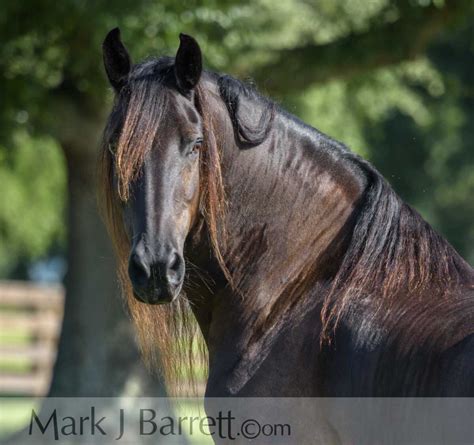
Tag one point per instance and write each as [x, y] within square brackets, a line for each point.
[15, 414]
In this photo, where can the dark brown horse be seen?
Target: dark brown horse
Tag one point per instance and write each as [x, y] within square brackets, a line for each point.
[306, 273]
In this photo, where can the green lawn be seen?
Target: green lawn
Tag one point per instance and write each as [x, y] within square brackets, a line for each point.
[14, 414]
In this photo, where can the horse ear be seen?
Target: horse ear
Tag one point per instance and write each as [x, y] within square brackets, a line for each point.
[117, 61]
[188, 63]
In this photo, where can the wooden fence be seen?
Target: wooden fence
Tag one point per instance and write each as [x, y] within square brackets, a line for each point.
[30, 321]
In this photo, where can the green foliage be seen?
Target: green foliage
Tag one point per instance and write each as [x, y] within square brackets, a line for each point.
[32, 175]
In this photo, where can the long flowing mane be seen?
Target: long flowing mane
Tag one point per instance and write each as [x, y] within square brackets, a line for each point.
[411, 276]
[393, 261]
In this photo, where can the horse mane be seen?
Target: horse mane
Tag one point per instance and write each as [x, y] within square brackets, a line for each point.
[390, 252]
[252, 130]
[412, 278]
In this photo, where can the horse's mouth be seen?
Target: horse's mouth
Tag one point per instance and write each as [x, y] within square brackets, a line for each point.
[158, 294]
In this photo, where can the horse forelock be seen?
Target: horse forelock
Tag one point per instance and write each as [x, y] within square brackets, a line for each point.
[140, 107]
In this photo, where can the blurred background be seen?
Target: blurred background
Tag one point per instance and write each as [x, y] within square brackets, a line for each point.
[394, 80]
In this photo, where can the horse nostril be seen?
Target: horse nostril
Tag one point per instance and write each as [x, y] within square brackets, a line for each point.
[174, 269]
[174, 262]
[138, 271]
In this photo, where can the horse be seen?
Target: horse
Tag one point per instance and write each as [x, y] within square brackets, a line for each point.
[307, 275]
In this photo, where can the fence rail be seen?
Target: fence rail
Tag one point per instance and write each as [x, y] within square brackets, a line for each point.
[30, 321]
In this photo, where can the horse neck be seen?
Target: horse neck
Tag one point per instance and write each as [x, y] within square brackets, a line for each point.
[289, 199]
[289, 205]
[289, 202]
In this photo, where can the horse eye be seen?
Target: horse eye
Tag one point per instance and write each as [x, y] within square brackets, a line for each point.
[196, 147]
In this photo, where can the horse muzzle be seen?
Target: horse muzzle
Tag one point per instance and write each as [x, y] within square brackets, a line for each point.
[156, 280]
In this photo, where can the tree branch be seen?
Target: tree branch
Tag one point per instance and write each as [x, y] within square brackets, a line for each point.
[298, 68]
